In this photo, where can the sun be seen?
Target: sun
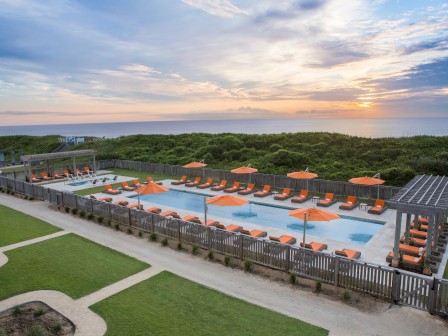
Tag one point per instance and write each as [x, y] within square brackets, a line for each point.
[364, 104]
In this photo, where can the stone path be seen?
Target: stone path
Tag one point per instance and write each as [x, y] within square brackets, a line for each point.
[339, 318]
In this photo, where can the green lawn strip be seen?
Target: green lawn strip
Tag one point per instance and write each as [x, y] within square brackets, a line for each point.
[170, 305]
[124, 172]
[70, 264]
[16, 226]
[445, 274]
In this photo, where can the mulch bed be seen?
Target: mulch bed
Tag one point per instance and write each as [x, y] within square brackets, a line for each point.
[34, 318]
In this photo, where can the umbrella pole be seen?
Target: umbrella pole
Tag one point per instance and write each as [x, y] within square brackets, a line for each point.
[205, 211]
[378, 194]
[304, 230]
[138, 193]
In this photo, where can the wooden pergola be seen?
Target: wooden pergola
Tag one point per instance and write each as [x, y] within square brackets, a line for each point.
[425, 196]
[49, 158]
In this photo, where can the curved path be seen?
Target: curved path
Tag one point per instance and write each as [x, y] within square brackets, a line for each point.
[339, 318]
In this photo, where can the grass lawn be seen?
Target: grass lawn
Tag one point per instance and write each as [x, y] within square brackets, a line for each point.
[70, 264]
[445, 274]
[125, 172]
[16, 226]
[170, 305]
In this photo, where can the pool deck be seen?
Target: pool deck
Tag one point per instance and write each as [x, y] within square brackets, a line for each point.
[374, 251]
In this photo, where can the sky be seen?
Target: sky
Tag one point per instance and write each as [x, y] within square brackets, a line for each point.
[85, 61]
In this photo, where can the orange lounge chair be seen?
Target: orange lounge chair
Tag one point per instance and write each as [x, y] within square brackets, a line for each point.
[418, 234]
[416, 241]
[170, 213]
[135, 206]
[182, 180]
[420, 226]
[231, 227]
[34, 179]
[234, 188]
[57, 176]
[192, 219]
[412, 250]
[87, 170]
[150, 180]
[249, 189]
[65, 172]
[220, 186]
[45, 177]
[126, 187]
[105, 199]
[286, 193]
[78, 172]
[408, 261]
[111, 191]
[303, 196]
[378, 208]
[154, 210]
[254, 233]
[351, 254]
[327, 201]
[350, 204]
[315, 246]
[265, 192]
[206, 185]
[285, 239]
[195, 183]
[121, 202]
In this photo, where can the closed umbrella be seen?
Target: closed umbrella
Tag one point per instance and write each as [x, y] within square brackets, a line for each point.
[313, 215]
[303, 174]
[223, 200]
[367, 180]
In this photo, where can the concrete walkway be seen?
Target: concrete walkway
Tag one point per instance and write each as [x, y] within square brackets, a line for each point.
[339, 318]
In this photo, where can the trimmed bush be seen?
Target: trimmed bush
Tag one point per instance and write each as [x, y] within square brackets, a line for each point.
[67, 209]
[179, 246]
[57, 327]
[109, 222]
[227, 260]
[346, 295]
[17, 310]
[318, 286]
[117, 227]
[39, 312]
[74, 211]
[195, 249]
[164, 241]
[31, 198]
[140, 234]
[90, 216]
[153, 236]
[100, 219]
[292, 279]
[82, 213]
[248, 265]
[129, 231]
[211, 254]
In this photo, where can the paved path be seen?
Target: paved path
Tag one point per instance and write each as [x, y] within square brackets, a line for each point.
[339, 318]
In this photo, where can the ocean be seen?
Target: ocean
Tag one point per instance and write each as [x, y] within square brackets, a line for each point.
[370, 128]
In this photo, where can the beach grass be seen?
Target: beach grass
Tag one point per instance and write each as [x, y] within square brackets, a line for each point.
[167, 304]
[15, 226]
[124, 172]
[70, 264]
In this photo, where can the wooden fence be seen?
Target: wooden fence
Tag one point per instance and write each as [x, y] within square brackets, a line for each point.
[419, 291]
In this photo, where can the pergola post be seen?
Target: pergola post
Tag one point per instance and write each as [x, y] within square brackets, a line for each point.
[74, 166]
[408, 228]
[426, 267]
[397, 239]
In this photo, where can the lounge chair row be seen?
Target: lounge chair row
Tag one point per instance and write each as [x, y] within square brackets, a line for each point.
[65, 173]
[126, 187]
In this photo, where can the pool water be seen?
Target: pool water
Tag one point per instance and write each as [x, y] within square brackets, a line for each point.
[74, 184]
[345, 229]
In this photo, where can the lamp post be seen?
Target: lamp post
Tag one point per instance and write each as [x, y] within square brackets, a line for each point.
[138, 193]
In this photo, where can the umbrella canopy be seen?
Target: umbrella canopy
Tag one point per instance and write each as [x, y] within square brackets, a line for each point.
[366, 180]
[151, 188]
[226, 200]
[302, 175]
[244, 170]
[313, 215]
[195, 164]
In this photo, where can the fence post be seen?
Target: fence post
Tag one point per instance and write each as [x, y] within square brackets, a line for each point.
[91, 206]
[336, 271]
[209, 237]
[241, 246]
[76, 202]
[396, 286]
[432, 296]
[152, 222]
[129, 216]
[288, 258]
[178, 230]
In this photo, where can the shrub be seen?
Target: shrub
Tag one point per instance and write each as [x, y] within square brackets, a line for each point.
[109, 222]
[57, 327]
[100, 219]
[31, 198]
[140, 234]
[164, 241]
[82, 213]
[195, 249]
[129, 231]
[67, 209]
[153, 236]
[74, 211]
[17, 310]
[227, 260]
[318, 286]
[38, 330]
[12, 192]
[117, 227]
[26, 197]
[292, 278]
[90, 216]
[3, 332]
[248, 265]
[8, 191]
[179, 246]
[39, 312]
[346, 295]
[210, 254]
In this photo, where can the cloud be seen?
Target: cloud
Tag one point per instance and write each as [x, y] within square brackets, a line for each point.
[228, 114]
[222, 8]
[437, 44]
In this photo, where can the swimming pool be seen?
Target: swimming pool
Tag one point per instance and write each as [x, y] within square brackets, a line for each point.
[345, 229]
[74, 184]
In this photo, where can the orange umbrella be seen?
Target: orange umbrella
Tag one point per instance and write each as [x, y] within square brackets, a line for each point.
[367, 180]
[244, 170]
[303, 174]
[223, 200]
[195, 164]
[312, 214]
[150, 188]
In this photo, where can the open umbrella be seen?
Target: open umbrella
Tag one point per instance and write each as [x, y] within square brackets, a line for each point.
[244, 170]
[313, 215]
[150, 188]
[195, 164]
[303, 174]
[367, 180]
[223, 200]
